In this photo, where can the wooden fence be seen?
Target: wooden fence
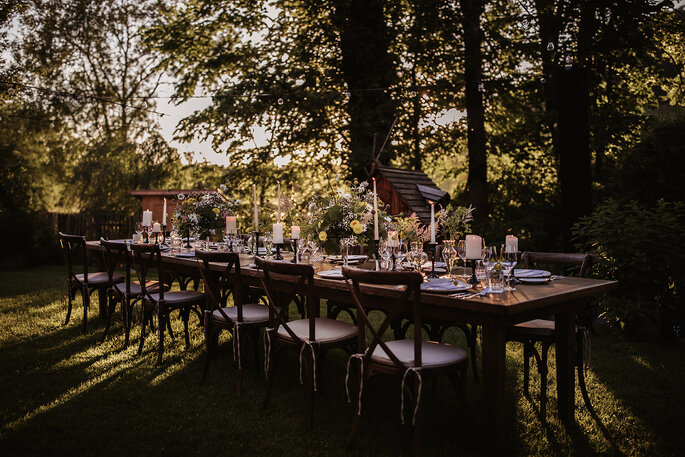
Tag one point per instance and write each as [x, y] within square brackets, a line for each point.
[93, 226]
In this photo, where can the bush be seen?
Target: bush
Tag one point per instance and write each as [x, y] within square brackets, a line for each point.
[641, 248]
[29, 240]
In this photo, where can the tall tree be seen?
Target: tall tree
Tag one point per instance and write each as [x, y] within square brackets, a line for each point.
[473, 84]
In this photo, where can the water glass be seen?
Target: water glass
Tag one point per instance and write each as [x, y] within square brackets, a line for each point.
[508, 259]
[176, 243]
[496, 281]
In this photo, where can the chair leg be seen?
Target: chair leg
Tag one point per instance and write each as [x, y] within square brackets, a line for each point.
[526, 368]
[186, 318]
[111, 303]
[126, 318]
[143, 321]
[581, 374]
[211, 334]
[239, 367]
[474, 346]
[542, 368]
[86, 303]
[418, 424]
[162, 315]
[309, 373]
[71, 294]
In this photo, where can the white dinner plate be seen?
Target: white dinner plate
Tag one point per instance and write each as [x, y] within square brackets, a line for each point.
[534, 280]
[524, 273]
[350, 258]
[429, 265]
[331, 274]
[185, 254]
[444, 286]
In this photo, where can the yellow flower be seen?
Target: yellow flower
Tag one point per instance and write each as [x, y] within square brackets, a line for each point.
[356, 226]
[190, 201]
[216, 210]
[323, 236]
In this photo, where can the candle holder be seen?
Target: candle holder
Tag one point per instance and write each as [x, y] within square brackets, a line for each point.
[255, 243]
[187, 245]
[278, 255]
[295, 241]
[145, 235]
[230, 243]
[394, 260]
[474, 279]
[164, 235]
[376, 253]
[156, 237]
[433, 249]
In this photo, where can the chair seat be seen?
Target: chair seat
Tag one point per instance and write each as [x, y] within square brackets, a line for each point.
[100, 278]
[152, 287]
[178, 297]
[434, 355]
[326, 330]
[535, 328]
[252, 313]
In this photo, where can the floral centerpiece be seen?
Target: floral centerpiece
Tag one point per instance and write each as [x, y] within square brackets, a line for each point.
[410, 228]
[345, 214]
[454, 221]
[201, 214]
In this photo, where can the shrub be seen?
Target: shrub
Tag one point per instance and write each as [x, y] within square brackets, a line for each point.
[641, 248]
[30, 240]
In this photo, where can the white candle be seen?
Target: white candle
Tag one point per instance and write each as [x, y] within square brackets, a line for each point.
[231, 225]
[278, 233]
[256, 211]
[295, 232]
[156, 228]
[432, 221]
[376, 236]
[474, 246]
[164, 213]
[278, 215]
[147, 218]
[512, 243]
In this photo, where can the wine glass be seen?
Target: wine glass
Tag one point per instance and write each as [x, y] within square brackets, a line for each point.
[386, 252]
[461, 252]
[489, 259]
[509, 259]
[138, 231]
[448, 255]
[401, 252]
[268, 244]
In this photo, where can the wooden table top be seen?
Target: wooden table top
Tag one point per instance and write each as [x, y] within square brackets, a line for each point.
[516, 306]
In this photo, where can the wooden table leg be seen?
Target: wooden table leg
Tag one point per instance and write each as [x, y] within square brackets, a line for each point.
[494, 357]
[565, 362]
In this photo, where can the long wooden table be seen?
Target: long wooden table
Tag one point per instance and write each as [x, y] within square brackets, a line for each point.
[495, 313]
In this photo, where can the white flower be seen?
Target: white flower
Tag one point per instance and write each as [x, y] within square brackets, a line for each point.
[369, 206]
[206, 197]
[180, 196]
[237, 202]
[222, 187]
[193, 218]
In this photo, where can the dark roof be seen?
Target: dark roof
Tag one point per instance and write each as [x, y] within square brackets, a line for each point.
[415, 188]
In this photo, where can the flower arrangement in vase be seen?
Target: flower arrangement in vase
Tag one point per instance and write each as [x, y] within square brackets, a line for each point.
[201, 214]
[345, 214]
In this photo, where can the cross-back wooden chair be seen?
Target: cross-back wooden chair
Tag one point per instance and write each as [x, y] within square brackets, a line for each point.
[240, 319]
[148, 258]
[542, 331]
[312, 337]
[403, 357]
[75, 252]
[127, 292]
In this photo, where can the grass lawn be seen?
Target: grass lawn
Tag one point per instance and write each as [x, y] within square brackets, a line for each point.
[65, 393]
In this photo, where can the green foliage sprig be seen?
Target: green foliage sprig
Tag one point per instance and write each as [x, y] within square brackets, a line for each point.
[202, 213]
[454, 221]
[410, 228]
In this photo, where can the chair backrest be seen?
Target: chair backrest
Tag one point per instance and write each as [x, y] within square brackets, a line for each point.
[114, 253]
[147, 257]
[74, 247]
[406, 299]
[218, 287]
[583, 261]
[282, 282]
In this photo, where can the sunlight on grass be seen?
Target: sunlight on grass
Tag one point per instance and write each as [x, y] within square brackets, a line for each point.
[52, 372]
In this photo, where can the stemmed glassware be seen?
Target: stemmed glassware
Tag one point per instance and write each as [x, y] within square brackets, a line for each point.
[489, 259]
[139, 231]
[401, 252]
[449, 254]
[508, 259]
[268, 245]
[386, 253]
[461, 252]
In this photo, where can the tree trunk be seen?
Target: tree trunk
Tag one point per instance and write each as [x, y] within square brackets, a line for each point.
[575, 175]
[366, 63]
[477, 181]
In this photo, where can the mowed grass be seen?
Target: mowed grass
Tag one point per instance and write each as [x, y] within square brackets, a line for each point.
[65, 393]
